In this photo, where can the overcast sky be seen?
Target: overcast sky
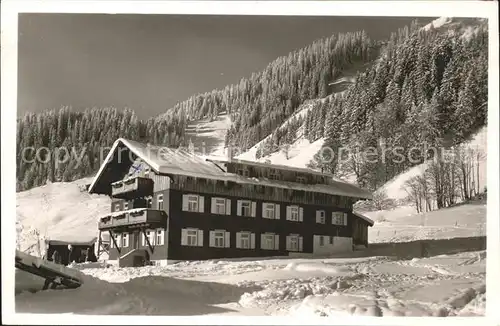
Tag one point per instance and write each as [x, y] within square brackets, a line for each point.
[150, 62]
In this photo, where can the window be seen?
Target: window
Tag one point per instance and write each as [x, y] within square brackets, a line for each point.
[301, 180]
[320, 217]
[246, 208]
[220, 206]
[268, 241]
[294, 242]
[339, 218]
[149, 236]
[117, 207]
[125, 240]
[244, 240]
[193, 203]
[293, 213]
[117, 240]
[149, 202]
[159, 201]
[274, 176]
[321, 240]
[125, 206]
[160, 239]
[269, 210]
[331, 240]
[219, 239]
[190, 237]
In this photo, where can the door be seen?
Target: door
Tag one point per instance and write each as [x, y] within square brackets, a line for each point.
[136, 240]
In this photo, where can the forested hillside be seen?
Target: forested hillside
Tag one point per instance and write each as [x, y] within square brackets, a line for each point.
[419, 85]
[426, 87]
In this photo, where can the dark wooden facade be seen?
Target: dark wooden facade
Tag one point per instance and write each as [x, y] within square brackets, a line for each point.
[143, 189]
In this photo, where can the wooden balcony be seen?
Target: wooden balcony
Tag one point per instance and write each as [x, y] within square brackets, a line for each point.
[133, 217]
[132, 188]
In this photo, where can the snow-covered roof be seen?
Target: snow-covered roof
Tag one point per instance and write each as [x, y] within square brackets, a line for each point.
[72, 239]
[164, 160]
[361, 216]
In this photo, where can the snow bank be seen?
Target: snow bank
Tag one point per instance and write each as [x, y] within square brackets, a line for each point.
[56, 211]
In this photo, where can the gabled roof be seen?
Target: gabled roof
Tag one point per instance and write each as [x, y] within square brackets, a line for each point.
[165, 160]
[363, 217]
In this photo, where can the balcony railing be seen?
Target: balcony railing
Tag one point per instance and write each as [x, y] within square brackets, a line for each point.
[132, 188]
[132, 217]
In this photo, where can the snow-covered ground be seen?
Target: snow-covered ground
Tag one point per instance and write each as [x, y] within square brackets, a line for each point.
[403, 224]
[210, 133]
[375, 286]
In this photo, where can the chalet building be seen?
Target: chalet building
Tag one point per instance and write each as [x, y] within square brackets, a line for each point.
[170, 205]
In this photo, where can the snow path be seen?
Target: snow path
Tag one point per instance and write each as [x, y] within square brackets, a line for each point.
[376, 286]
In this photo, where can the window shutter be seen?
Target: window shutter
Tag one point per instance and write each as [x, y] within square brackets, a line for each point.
[301, 241]
[254, 209]
[212, 207]
[119, 240]
[185, 203]
[288, 212]
[252, 240]
[288, 242]
[318, 216]
[262, 242]
[228, 206]
[227, 239]
[277, 211]
[143, 239]
[238, 208]
[200, 238]
[238, 240]
[345, 218]
[276, 242]
[184, 240]
[201, 204]
[301, 214]
[212, 239]
[264, 210]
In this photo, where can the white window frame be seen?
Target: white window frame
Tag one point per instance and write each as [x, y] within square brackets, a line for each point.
[159, 237]
[125, 240]
[294, 242]
[149, 202]
[321, 217]
[125, 206]
[151, 237]
[245, 240]
[246, 204]
[219, 239]
[294, 213]
[192, 238]
[193, 203]
[339, 218]
[159, 200]
[118, 240]
[220, 203]
[269, 207]
[268, 241]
